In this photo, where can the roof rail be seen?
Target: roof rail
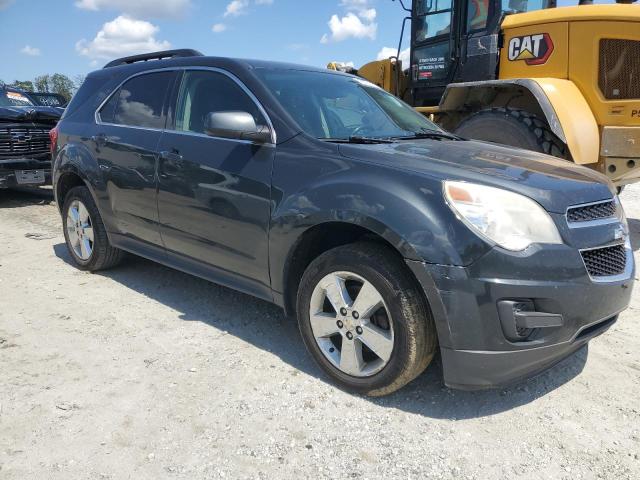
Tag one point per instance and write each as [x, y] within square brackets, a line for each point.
[185, 52]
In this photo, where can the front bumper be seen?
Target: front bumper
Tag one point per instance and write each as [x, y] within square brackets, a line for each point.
[8, 168]
[476, 352]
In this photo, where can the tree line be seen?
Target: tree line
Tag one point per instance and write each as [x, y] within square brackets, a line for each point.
[55, 83]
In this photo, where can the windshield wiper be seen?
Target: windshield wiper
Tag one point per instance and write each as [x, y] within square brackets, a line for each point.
[433, 134]
[359, 140]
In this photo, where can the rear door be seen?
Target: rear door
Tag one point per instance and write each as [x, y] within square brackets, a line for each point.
[214, 193]
[126, 141]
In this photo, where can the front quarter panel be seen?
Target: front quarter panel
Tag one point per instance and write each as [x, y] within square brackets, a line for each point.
[313, 184]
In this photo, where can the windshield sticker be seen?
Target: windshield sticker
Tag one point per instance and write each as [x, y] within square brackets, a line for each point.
[17, 96]
[533, 49]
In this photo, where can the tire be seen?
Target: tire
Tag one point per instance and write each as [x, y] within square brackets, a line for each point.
[516, 128]
[101, 254]
[401, 330]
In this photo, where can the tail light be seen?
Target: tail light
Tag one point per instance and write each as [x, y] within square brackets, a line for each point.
[53, 136]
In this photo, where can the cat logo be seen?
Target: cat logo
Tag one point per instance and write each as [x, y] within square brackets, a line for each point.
[533, 49]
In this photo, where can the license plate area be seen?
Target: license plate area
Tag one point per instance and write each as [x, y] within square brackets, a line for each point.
[29, 177]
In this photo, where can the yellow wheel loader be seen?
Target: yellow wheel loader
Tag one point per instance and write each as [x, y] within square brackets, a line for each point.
[563, 81]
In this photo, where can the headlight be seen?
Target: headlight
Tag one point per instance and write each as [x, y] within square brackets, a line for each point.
[508, 219]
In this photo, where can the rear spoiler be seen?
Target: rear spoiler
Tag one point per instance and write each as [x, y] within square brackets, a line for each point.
[145, 57]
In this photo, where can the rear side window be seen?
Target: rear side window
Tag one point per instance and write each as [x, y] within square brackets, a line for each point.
[108, 111]
[139, 102]
[203, 92]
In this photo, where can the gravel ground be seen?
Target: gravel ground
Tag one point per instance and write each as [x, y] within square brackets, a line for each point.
[147, 373]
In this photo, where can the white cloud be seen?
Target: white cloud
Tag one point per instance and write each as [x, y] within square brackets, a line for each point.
[369, 14]
[387, 52]
[219, 28]
[5, 3]
[31, 51]
[349, 26]
[120, 37]
[139, 8]
[236, 7]
[359, 22]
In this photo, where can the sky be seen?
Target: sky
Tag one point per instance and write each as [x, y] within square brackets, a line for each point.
[74, 37]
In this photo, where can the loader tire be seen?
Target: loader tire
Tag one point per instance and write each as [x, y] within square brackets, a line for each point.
[513, 127]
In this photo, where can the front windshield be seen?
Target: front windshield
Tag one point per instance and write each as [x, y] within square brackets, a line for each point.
[330, 106]
[521, 6]
[14, 99]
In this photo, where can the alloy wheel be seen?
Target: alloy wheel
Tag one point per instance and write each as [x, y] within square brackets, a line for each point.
[80, 230]
[351, 324]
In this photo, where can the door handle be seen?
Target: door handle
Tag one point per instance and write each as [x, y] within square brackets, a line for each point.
[101, 139]
[171, 163]
[173, 156]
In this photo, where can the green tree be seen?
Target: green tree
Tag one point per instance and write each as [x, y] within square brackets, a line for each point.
[62, 85]
[43, 83]
[26, 85]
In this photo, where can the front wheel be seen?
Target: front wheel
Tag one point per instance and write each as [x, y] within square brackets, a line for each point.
[364, 319]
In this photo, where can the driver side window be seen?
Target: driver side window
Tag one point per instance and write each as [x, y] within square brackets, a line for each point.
[203, 92]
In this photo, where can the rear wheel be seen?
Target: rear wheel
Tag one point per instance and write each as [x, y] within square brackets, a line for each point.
[513, 127]
[84, 232]
[364, 320]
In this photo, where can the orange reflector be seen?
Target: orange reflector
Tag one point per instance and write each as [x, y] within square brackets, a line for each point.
[458, 194]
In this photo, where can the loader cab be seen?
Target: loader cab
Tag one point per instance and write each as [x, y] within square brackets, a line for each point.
[457, 41]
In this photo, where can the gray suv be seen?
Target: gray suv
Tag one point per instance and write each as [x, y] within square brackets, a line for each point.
[387, 237]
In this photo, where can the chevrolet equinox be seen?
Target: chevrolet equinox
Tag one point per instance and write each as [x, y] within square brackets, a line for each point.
[387, 237]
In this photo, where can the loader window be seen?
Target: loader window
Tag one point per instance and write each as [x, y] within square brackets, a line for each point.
[477, 15]
[434, 19]
[521, 6]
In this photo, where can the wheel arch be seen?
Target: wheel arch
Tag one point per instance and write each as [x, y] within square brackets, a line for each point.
[560, 102]
[324, 236]
[66, 181]
[74, 166]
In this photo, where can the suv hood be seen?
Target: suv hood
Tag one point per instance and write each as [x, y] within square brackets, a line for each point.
[30, 114]
[553, 183]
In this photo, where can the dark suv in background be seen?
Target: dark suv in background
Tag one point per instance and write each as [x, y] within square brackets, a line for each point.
[25, 147]
[386, 236]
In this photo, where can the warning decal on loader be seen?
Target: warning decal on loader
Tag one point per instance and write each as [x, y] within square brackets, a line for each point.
[533, 49]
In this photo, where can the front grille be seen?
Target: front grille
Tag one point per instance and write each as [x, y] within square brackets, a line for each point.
[605, 262]
[619, 76]
[23, 141]
[596, 211]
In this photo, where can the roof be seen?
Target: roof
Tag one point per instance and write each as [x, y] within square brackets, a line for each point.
[158, 60]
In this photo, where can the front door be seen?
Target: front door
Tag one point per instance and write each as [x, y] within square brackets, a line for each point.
[126, 147]
[433, 49]
[214, 193]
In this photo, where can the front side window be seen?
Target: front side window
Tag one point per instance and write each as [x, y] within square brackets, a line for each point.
[139, 102]
[330, 106]
[434, 19]
[204, 92]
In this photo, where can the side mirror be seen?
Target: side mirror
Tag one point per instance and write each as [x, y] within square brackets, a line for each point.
[235, 125]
